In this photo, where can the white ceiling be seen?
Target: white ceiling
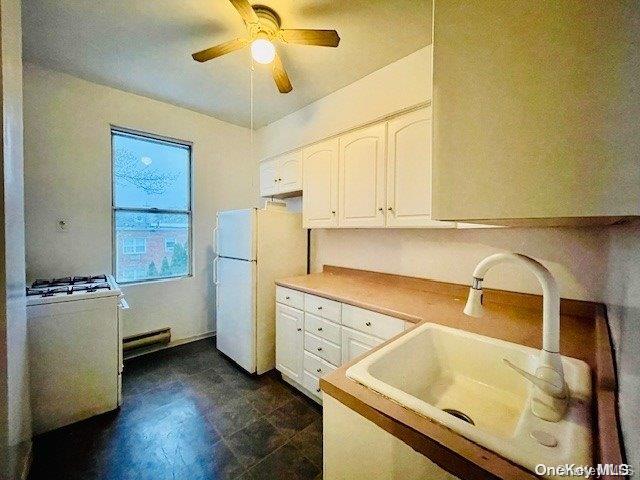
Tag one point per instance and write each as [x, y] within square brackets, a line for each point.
[144, 47]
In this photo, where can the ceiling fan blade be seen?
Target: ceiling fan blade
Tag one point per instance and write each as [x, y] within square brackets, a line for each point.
[322, 38]
[246, 11]
[219, 50]
[280, 75]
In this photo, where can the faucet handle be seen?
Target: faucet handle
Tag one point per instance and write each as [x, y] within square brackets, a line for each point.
[546, 386]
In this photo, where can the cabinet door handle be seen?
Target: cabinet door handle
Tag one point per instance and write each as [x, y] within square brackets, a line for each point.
[380, 209]
[333, 212]
[319, 349]
[287, 298]
[318, 370]
[319, 329]
[299, 329]
[390, 209]
[318, 390]
[319, 308]
[368, 324]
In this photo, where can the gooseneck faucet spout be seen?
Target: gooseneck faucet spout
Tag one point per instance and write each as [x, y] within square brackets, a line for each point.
[551, 395]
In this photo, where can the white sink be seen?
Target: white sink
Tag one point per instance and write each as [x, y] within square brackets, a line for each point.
[433, 367]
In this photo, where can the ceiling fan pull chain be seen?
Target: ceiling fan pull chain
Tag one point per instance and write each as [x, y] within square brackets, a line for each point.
[251, 70]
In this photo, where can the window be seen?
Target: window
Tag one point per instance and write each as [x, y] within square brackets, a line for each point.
[151, 207]
[169, 243]
[133, 245]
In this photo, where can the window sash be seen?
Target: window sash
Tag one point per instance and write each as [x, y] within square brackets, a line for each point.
[115, 209]
[189, 273]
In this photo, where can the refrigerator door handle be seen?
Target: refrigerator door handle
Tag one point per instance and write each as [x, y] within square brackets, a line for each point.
[215, 239]
[215, 270]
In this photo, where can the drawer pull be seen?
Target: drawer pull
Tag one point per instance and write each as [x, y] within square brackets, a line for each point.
[319, 329]
[299, 329]
[320, 308]
[319, 349]
[318, 370]
[318, 390]
[287, 298]
[368, 324]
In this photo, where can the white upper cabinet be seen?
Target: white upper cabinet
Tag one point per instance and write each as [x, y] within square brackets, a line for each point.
[361, 177]
[290, 172]
[409, 171]
[282, 175]
[320, 185]
[268, 178]
[540, 125]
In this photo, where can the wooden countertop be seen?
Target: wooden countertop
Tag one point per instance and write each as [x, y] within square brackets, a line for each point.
[509, 316]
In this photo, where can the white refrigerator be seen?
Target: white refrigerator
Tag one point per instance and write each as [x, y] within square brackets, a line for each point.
[254, 247]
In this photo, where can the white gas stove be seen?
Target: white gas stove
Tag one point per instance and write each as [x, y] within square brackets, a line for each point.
[75, 348]
[71, 288]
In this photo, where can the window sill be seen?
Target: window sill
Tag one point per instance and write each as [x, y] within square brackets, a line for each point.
[154, 281]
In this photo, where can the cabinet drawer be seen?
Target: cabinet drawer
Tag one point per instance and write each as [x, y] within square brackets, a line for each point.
[312, 383]
[322, 348]
[316, 366]
[322, 307]
[322, 328]
[293, 298]
[373, 323]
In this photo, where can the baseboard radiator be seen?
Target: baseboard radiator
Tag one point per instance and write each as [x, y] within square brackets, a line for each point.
[154, 338]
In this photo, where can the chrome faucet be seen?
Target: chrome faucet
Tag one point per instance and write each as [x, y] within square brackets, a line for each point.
[550, 398]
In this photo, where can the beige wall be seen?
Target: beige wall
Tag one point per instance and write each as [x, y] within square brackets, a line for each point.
[68, 175]
[399, 85]
[15, 419]
[574, 256]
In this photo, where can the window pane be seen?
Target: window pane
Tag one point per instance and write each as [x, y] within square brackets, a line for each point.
[150, 173]
[141, 245]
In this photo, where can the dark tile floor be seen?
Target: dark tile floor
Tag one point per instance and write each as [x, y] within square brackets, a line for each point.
[190, 413]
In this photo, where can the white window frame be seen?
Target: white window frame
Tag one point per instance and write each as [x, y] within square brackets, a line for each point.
[115, 130]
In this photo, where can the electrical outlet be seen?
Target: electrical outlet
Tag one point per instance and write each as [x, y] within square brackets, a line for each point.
[63, 225]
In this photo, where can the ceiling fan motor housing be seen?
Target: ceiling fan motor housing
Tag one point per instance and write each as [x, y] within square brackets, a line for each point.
[269, 20]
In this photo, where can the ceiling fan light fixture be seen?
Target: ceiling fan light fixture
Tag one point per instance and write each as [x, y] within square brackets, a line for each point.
[263, 51]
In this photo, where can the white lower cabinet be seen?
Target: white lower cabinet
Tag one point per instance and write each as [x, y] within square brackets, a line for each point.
[356, 343]
[325, 349]
[355, 448]
[289, 341]
[312, 384]
[315, 335]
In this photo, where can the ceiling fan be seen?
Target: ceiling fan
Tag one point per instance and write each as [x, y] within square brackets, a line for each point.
[263, 28]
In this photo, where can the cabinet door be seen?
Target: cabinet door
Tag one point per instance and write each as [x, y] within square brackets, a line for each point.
[361, 177]
[289, 172]
[522, 139]
[320, 185]
[356, 343]
[409, 171]
[289, 341]
[268, 177]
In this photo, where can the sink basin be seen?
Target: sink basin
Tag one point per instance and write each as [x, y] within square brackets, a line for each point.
[433, 368]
